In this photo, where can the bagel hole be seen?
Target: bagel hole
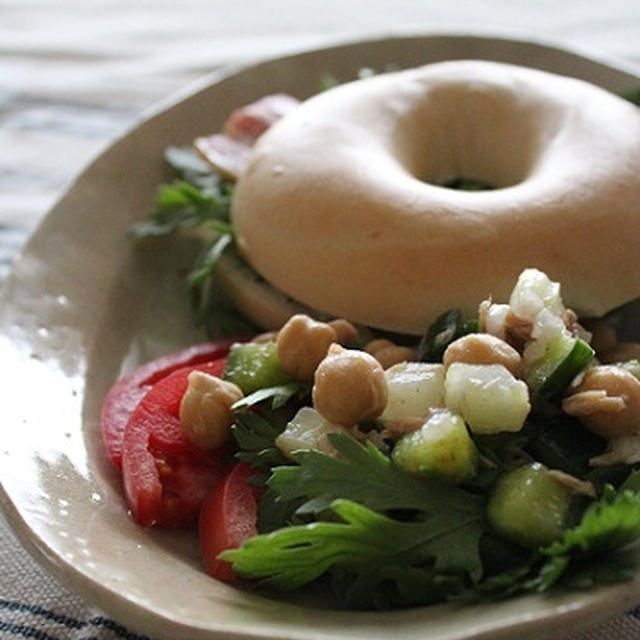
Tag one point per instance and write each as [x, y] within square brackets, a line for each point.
[462, 183]
[473, 137]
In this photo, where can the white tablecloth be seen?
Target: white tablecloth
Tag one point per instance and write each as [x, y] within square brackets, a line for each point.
[75, 74]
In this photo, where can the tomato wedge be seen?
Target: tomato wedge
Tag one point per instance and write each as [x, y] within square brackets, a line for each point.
[129, 390]
[227, 518]
[166, 478]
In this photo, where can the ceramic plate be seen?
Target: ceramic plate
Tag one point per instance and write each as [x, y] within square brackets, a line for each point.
[83, 305]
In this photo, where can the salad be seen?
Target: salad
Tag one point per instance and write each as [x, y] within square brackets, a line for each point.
[495, 455]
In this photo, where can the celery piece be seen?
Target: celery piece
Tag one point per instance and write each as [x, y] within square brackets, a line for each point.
[307, 430]
[487, 396]
[414, 389]
[533, 292]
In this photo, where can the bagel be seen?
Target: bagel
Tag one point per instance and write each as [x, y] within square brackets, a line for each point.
[342, 205]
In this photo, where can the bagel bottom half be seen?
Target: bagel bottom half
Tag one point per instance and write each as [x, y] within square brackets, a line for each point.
[260, 302]
[342, 206]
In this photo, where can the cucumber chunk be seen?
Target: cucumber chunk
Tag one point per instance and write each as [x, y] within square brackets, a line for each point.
[441, 448]
[564, 358]
[254, 366]
[560, 378]
[529, 506]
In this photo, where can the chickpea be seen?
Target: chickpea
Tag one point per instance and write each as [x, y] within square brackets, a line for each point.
[483, 348]
[345, 331]
[349, 387]
[388, 353]
[302, 343]
[205, 409]
[607, 402]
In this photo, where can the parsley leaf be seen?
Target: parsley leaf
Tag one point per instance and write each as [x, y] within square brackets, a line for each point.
[401, 540]
[198, 199]
[444, 330]
[610, 523]
[383, 587]
[189, 165]
[278, 395]
[291, 557]
[364, 474]
[184, 205]
[583, 556]
[255, 436]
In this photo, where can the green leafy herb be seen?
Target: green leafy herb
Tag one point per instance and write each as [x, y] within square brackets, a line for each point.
[364, 474]
[187, 164]
[583, 557]
[560, 441]
[610, 523]
[255, 436]
[275, 513]
[294, 556]
[444, 330]
[631, 482]
[184, 205]
[278, 395]
[205, 267]
[400, 539]
[198, 199]
[386, 586]
[211, 307]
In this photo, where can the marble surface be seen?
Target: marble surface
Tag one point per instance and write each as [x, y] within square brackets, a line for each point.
[75, 75]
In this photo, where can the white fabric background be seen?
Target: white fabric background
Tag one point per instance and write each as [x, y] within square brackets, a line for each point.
[74, 74]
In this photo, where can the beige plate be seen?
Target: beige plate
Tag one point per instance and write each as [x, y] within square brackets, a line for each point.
[83, 305]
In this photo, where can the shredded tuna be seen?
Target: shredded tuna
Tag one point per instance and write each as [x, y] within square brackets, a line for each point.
[574, 485]
[229, 151]
[395, 429]
[585, 403]
[624, 450]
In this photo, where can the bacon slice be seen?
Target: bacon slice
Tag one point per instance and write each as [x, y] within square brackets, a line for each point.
[228, 152]
[248, 123]
[225, 154]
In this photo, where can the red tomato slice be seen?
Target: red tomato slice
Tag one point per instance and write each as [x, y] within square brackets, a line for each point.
[166, 478]
[227, 518]
[129, 390]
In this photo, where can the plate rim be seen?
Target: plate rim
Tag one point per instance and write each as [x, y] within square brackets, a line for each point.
[38, 547]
